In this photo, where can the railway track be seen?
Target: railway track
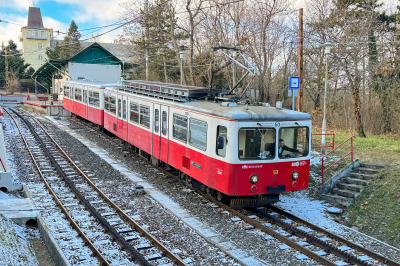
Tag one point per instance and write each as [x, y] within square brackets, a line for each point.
[119, 240]
[314, 242]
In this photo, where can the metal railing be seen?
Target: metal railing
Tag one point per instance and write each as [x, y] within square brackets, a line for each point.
[326, 134]
[332, 151]
[34, 36]
[3, 165]
[317, 134]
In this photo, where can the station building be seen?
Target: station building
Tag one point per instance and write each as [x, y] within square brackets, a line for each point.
[92, 63]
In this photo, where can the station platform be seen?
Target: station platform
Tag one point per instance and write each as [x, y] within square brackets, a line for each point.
[50, 108]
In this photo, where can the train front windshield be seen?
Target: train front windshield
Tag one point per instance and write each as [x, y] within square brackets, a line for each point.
[261, 143]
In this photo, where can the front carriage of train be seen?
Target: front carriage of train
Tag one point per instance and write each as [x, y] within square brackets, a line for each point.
[268, 158]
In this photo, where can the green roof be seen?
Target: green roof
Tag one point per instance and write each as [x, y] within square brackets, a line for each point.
[93, 54]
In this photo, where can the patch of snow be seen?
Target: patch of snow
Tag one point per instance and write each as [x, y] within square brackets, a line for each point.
[14, 247]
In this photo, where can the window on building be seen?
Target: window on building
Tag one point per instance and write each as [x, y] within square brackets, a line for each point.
[124, 109]
[113, 105]
[42, 34]
[40, 57]
[222, 134]
[119, 108]
[29, 33]
[40, 46]
[145, 115]
[156, 120]
[36, 33]
[179, 127]
[198, 134]
[164, 123]
[134, 112]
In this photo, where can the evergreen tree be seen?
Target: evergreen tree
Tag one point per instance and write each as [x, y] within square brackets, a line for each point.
[69, 47]
[16, 63]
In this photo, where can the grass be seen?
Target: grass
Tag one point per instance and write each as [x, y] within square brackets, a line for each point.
[375, 211]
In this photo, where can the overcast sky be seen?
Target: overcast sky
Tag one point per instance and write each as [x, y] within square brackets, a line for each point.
[57, 14]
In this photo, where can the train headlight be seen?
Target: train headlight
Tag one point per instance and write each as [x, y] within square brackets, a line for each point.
[295, 175]
[254, 179]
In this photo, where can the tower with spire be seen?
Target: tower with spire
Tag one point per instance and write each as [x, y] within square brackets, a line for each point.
[35, 38]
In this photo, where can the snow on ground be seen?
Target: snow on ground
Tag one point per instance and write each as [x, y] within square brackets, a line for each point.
[312, 210]
[14, 246]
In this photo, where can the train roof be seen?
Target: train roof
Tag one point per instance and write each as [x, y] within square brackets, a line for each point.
[94, 83]
[243, 111]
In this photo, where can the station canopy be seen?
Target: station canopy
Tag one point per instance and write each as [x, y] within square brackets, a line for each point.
[93, 54]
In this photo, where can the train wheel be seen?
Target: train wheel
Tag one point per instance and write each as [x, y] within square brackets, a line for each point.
[209, 191]
[221, 197]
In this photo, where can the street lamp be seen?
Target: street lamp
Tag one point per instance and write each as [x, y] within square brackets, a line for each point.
[327, 53]
[181, 56]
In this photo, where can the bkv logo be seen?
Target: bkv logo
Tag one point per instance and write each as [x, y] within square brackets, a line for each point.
[245, 167]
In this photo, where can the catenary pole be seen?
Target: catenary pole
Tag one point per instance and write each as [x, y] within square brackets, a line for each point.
[300, 63]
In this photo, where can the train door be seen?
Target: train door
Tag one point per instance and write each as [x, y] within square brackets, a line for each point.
[122, 117]
[164, 134]
[156, 131]
[85, 102]
[119, 115]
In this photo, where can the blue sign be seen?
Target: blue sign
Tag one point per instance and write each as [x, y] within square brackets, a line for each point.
[294, 83]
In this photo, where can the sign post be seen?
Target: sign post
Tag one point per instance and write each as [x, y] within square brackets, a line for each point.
[294, 85]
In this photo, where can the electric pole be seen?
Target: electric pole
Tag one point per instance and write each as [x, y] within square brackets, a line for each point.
[146, 37]
[6, 60]
[300, 63]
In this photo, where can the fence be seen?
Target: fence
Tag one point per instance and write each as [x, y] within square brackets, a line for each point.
[332, 151]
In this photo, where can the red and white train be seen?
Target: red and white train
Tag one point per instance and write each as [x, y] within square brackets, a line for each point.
[238, 152]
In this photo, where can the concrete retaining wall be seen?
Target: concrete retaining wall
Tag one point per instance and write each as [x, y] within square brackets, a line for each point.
[55, 251]
[344, 172]
[50, 111]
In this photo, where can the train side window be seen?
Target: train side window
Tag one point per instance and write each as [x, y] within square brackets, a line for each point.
[222, 133]
[198, 134]
[164, 123]
[96, 99]
[179, 127]
[90, 98]
[113, 105]
[134, 112]
[107, 102]
[124, 109]
[119, 108]
[145, 115]
[156, 120]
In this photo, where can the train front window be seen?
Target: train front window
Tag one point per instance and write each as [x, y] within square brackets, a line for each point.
[293, 142]
[257, 143]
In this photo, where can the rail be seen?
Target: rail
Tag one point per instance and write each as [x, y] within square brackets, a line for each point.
[332, 151]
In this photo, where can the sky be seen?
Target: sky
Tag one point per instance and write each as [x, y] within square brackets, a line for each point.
[58, 14]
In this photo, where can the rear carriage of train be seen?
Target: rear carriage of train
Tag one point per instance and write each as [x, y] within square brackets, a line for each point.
[248, 154]
[85, 99]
